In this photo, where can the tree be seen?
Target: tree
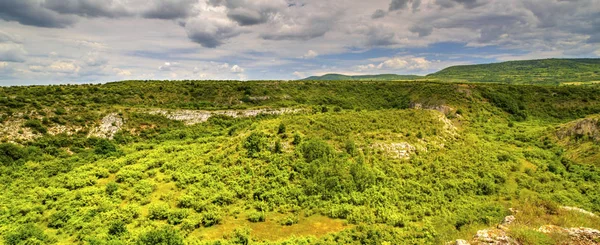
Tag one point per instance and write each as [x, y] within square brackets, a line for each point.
[255, 143]
[281, 129]
[164, 236]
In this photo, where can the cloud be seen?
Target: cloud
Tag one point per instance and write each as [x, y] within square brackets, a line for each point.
[167, 66]
[121, 72]
[403, 4]
[375, 36]
[422, 30]
[94, 59]
[380, 13]
[397, 64]
[211, 31]
[237, 69]
[30, 12]
[311, 54]
[57, 67]
[469, 4]
[304, 22]
[9, 38]
[88, 8]
[299, 74]
[169, 9]
[12, 52]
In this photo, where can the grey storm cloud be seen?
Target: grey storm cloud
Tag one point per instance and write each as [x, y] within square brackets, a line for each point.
[210, 32]
[380, 13]
[169, 9]
[469, 4]
[422, 30]
[247, 17]
[403, 4]
[87, 8]
[247, 12]
[63, 13]
[31, 12]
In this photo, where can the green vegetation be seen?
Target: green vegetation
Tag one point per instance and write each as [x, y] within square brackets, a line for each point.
[354, 162]
[581, 72]
[548, 71]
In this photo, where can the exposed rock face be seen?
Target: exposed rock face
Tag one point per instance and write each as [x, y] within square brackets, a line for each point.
[190, 117]
[402, 150]
[585, 127]
[508, 220]
[14, 130]
[110, 125]
[493, 236]
[441, 108]
[444, 110]
[580, 235]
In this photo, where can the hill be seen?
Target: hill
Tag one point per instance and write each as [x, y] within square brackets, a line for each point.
[296, 162]
[547, 71]
[381, 77]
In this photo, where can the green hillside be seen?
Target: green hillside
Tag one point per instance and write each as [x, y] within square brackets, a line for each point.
[295, 162]
[380, 77]
[548, 71]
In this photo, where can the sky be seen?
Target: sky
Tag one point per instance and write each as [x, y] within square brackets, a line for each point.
[94, 41]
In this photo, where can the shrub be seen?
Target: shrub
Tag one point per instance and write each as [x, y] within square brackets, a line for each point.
[281, 129]
[350, 147]
[255, 143]
[210, 218]
[241, 236]
[27, 234]
[158, 211]
[58, 219]
[164, 236]
[177, 216]
[10, 153]
[111, 188]
[297, 139]
[104, 147]
[256, 217]
[36, 126]
[289, 220]
[316, 149]
[117, 228]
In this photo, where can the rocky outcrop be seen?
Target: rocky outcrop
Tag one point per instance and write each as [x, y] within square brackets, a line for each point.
[500, 236]
[579, 235]
[190, 117]
[444, 109]
[587, 127]
[109, 126]
[402, 150]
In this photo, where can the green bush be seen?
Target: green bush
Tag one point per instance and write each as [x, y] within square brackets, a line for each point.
[211, 217]
[117, 228]
[255, 143]
[28, 234]
[158, 211]
[316, 149]
[164, 236]
[256, 216]
[36, 126]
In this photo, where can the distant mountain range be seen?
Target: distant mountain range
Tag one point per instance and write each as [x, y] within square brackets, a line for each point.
[546, 71]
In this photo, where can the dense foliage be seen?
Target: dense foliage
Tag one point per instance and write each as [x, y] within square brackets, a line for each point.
[548, 71]
[357, 163]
